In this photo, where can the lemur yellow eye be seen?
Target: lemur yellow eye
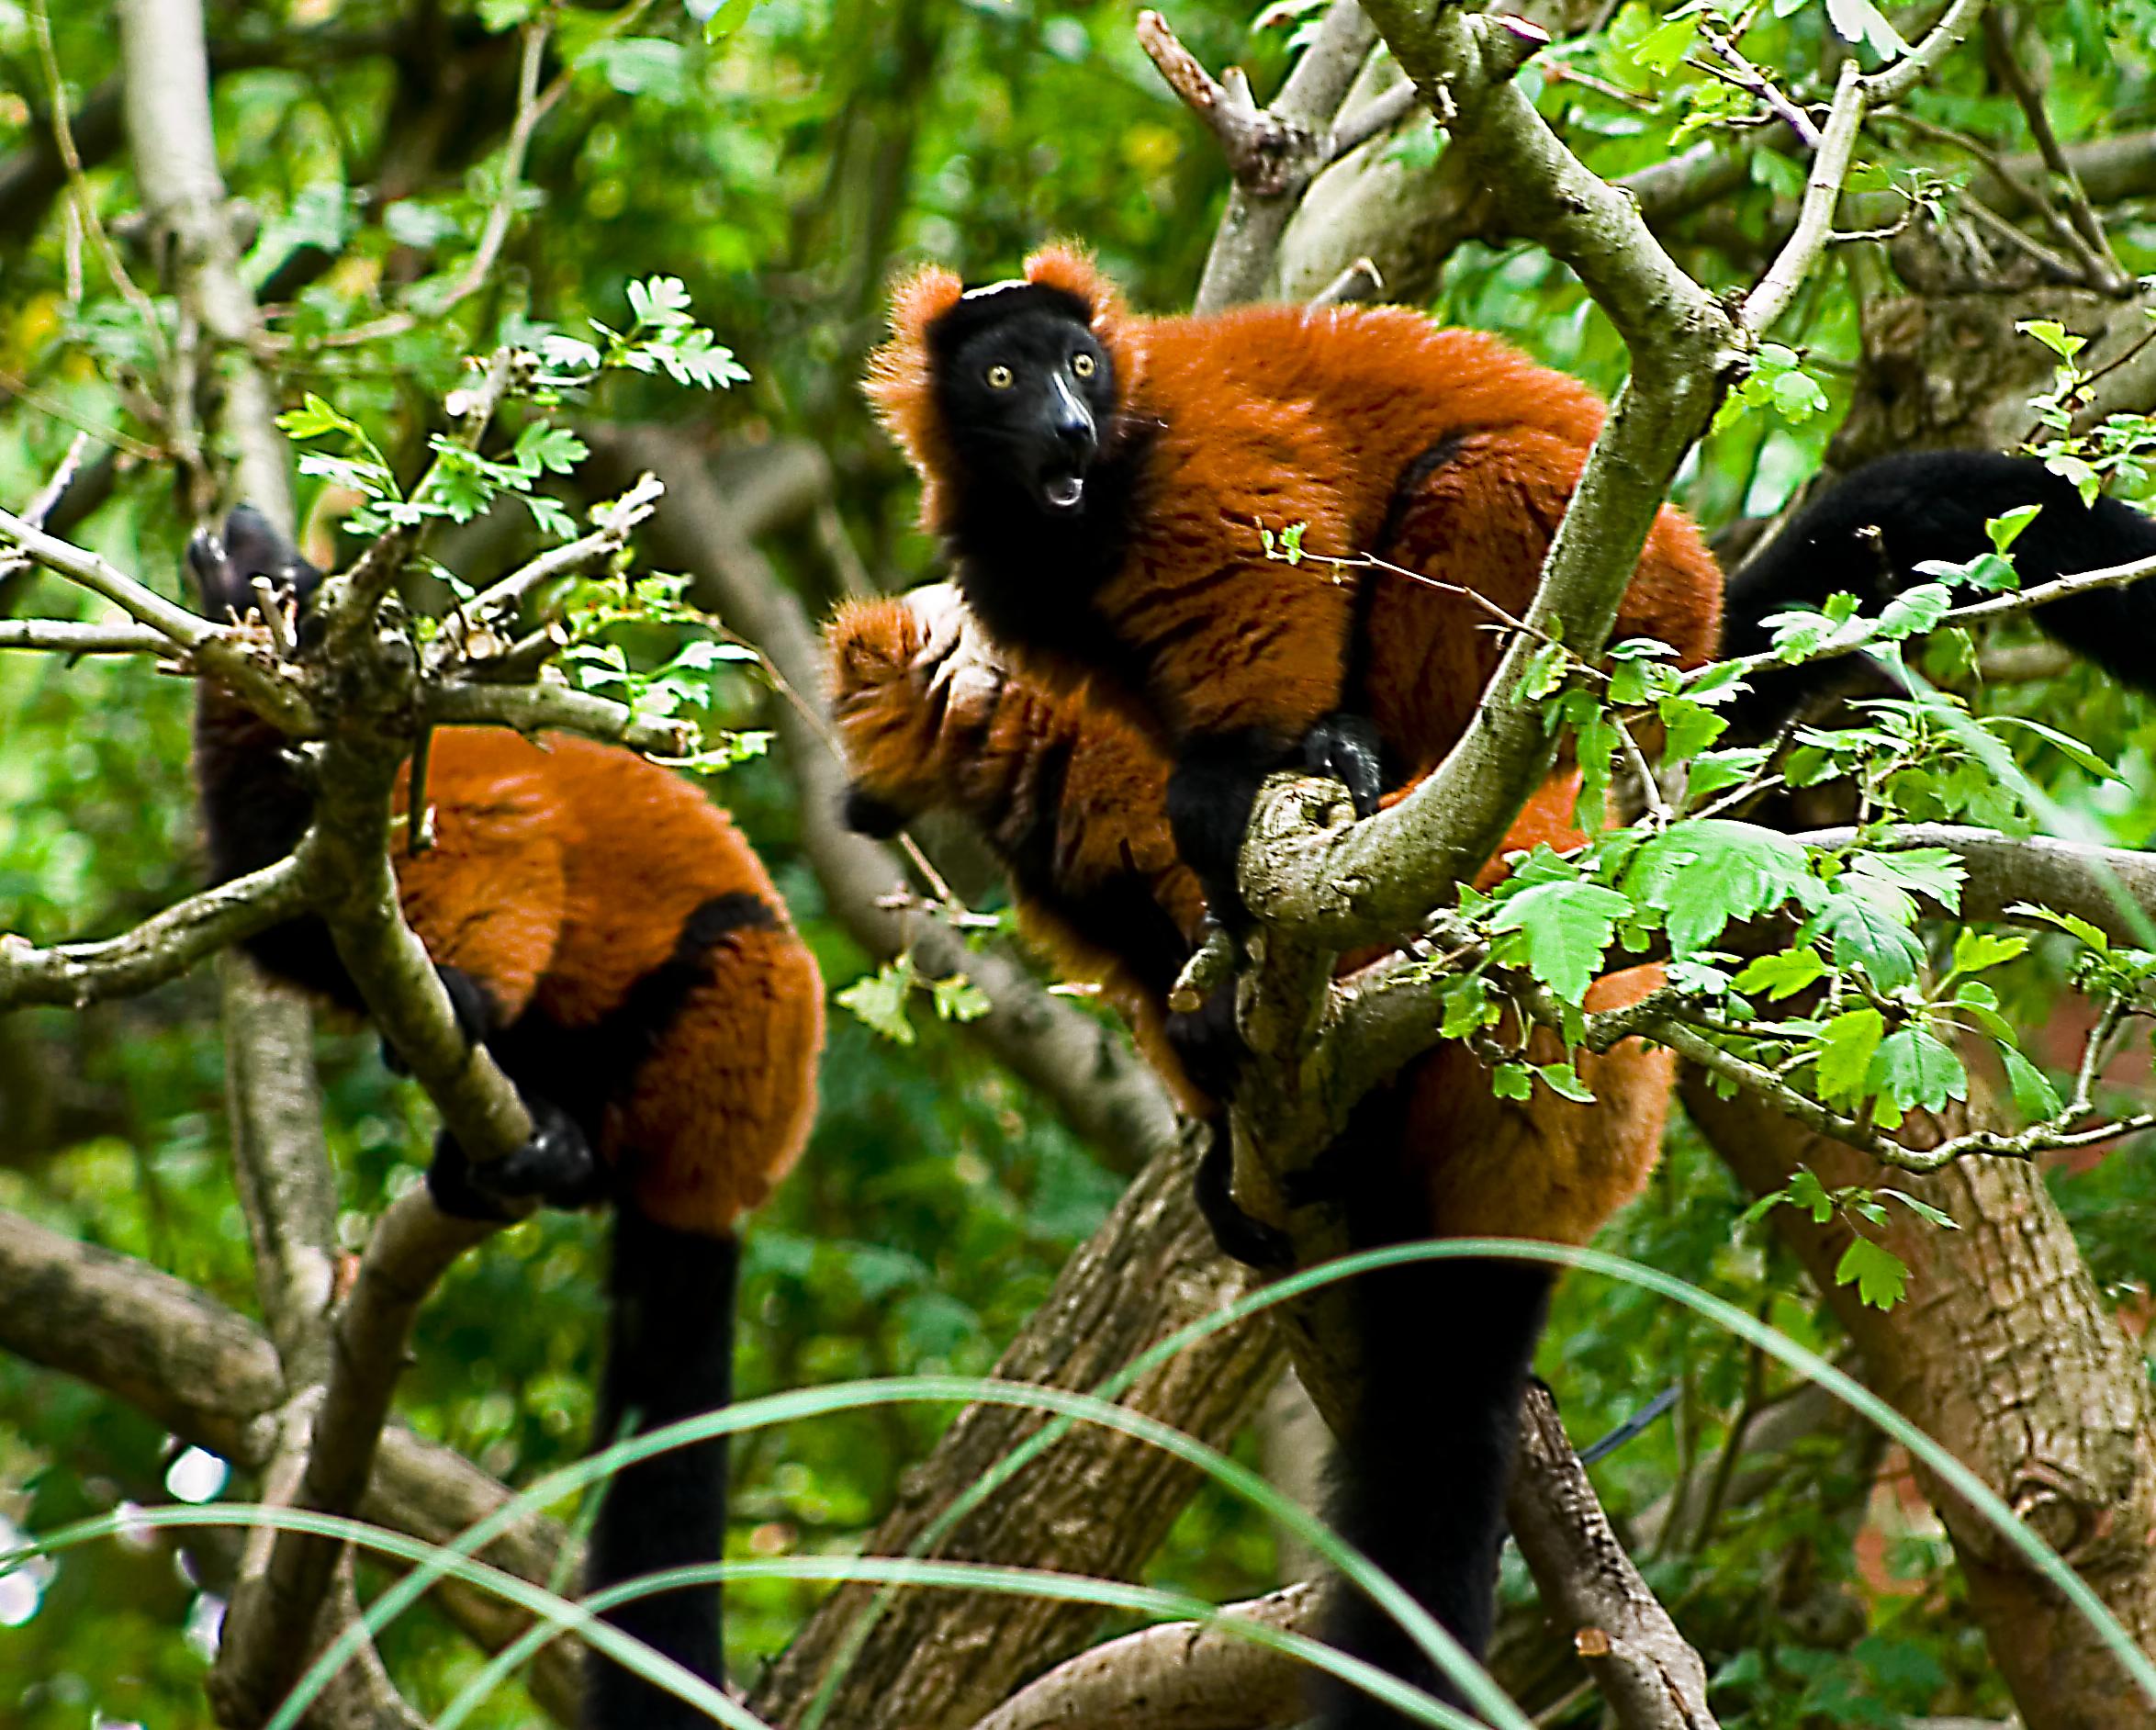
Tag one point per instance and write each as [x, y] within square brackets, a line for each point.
[999, 377]
[1082, 365]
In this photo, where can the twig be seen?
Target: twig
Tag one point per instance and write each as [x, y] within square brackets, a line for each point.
[1360, 281]
[1373, 119]
[61, 637]
[617, 522]
[2004, 606]
[2032, 193]
[2062, 268]
[534, 708]
[1748, 77]
[86, 202]
[160, 948]
[2085, 231]
[1211, 964]
[1258, 145]
[1823, 190]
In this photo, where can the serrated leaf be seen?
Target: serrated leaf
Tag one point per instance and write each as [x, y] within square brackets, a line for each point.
[1782, 975]
[1705, 871]
[1914, 1069]
[2071, 923]
[2033, 1092]
[1924, 1210]
[1878, 1274]
[1806, 1191]
[1562, 1078]
[1913, 611]
[1935, 873]
[958, 998]
[1567, 928]
[1842, 1065]
[879, 999]
[1975, 951]
[2066, 744]
[1512, 1080]
[1865, 928]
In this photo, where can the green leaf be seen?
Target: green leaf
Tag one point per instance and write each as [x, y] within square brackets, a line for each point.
[1512, 1080]
[1935, 873]
[1865, 928]
[1914, 1069]
[878, 999]
[1924, 1210]
[1843, 1063]
[2005, 529]
[1782, 975]
[1562, 1078]
[2033, 1092]
[2068, 747]
[1878, 1274]
[2071, 923]
[2053, 336]
[1806, 1191]
[1913, 611]
[720, 18]
[1665, 45]
[554, 449]
[1705, 871]
[641, 65]
[1975, 951]
[958, 998]
[1567, 926]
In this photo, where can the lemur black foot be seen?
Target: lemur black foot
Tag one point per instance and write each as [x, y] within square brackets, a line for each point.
[1346, 749]
[555, 1166]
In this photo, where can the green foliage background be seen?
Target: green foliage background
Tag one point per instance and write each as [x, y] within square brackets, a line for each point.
[784, 174]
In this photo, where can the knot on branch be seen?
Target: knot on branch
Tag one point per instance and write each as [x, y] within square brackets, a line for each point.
[1268, 155]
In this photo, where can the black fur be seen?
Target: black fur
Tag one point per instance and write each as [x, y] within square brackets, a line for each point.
[669, 1355]
[1928, 505]
[1421, 1469]
[1346, 748]
[1240, 1236]
[1211, 791]
[1025, 568]
[865, 813]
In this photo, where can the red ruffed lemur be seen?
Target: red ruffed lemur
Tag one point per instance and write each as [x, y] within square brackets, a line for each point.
[1107, 485]
[1073, 800]
[1866, 534]
[607, 935]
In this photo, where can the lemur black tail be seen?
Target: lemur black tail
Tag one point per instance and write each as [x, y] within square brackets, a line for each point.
[1934, 504]
[1420, 1475]
[669, 1355]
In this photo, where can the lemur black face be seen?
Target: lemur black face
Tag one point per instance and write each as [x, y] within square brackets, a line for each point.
[225, 567]
[1027, 392]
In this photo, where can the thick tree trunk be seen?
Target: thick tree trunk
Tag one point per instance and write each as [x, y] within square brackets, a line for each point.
[1097, 1503]
[2006, 1353]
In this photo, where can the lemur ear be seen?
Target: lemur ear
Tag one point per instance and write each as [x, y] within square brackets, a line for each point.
[1068, 267]
[898, 380]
